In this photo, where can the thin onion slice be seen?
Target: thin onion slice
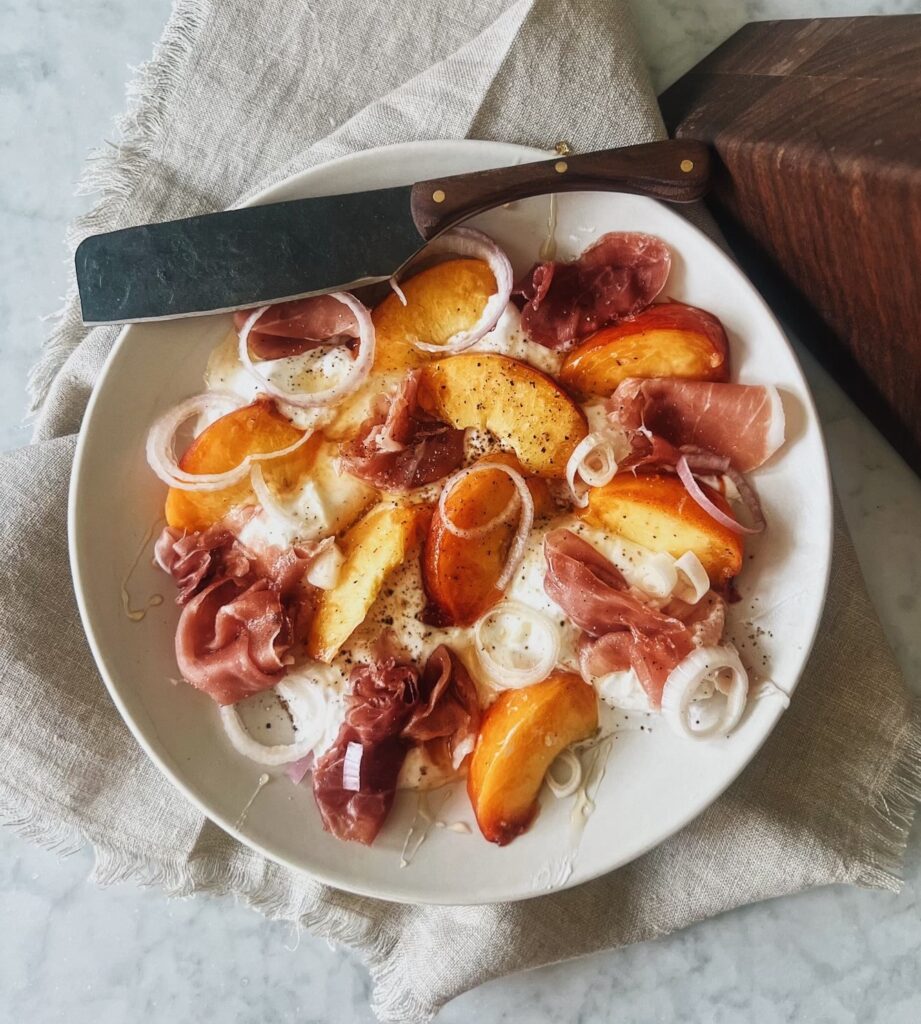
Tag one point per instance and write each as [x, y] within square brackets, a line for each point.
[691, 567]
[469, 533]
[358, 370]
[397, 290]
[351, 767]
[476, 245]
[161, 445]
[271, 756]
[579, 465]
[685, 680]
[695, 491]
[573, 780]
[658, 574]
[502, 674]
[271, 505]
[525, 517]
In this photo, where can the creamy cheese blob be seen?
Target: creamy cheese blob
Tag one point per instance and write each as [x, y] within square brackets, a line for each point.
[326, 501]
[507, 339]
[319, 368]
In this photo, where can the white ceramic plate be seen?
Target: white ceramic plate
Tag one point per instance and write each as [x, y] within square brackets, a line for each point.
[655, 781]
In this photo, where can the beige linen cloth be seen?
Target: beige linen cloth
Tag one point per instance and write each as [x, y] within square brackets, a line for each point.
[244, 92]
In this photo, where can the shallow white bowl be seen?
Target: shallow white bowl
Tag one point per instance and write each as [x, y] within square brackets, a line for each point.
[655, 781]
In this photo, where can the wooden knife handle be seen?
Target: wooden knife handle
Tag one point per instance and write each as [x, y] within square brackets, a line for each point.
[675, 171]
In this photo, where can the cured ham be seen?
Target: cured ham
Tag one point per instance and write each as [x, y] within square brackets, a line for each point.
[401, 447]
[194, 559]
[622, 631]
[615, 278]
[291, 328]
[241, 612]
[391, 706]
[744, 422]
[448, 714]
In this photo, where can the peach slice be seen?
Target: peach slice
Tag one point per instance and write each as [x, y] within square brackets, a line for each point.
[521, 734]
[440, 301]
[524, 408]
[656, 511]
[373, 548]
[460, 574]
[665, 340]
[225, 443]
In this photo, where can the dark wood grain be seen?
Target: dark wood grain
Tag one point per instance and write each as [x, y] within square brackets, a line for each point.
[817, 130]
[675, 171]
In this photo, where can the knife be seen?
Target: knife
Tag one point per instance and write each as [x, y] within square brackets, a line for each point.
[264, 254]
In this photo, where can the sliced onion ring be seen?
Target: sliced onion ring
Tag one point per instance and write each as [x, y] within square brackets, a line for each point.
[397, 290]
[359, 369]
[505, 676]
[684, 682]
[468, 533]
[690, 566]
[476, 245]
[696, 492]
[579, 465]
[525, 517]
[271, 756]
[161, 449]
[351, 767]
[561, 790]
[268, 501]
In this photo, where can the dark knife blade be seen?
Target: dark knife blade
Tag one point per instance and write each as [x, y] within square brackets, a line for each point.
[245, 257]
[264, 254]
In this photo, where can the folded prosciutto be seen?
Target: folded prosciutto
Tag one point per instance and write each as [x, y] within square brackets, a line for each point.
[241, 613]
[401, 447]
[391, 706]
[613, 279]
[622, 631]
[744, 422]
[291, 328]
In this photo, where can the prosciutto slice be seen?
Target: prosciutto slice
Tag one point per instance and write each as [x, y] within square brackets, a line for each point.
[194, 559]
[401, 447]
[241, 612]
[448, 714]
[622, 631]
[615, 278]
[743, 422]
[291, 328]
[391, 706]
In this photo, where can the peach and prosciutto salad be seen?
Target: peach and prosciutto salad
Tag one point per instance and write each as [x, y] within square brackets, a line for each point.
[444, 536]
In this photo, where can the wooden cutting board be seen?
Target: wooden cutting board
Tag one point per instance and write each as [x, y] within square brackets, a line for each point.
[817, 126]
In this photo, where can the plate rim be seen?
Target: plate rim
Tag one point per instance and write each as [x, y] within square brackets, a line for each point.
[346, 883]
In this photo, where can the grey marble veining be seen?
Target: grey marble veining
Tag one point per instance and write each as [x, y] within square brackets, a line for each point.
[71, 952]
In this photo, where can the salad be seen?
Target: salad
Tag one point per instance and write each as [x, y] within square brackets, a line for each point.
[449, 537]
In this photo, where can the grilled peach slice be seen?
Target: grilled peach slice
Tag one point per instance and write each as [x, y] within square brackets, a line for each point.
[656, 511]
[666, 340]
[460, 574]
[521, 734]
[373, 548]
[440, 301]
[524, 408]
[224, 444]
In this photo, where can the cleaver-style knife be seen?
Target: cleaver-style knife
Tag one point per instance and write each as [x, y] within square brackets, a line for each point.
[264, 254]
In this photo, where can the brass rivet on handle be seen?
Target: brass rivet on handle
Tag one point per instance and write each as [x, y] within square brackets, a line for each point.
[561, 167]
[438, 195]
[687, 166]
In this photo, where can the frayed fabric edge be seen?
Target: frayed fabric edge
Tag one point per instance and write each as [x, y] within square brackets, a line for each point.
[891, 811]
[113, 173]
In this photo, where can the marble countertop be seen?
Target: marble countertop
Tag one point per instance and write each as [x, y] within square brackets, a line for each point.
[70, 951]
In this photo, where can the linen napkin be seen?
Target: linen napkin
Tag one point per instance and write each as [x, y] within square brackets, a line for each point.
[239, 94]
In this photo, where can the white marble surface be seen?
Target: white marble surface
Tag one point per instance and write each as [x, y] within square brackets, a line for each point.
[71, 952]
